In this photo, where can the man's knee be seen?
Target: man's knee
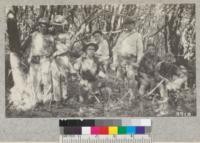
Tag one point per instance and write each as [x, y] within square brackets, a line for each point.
[144, 83]
[131, 72]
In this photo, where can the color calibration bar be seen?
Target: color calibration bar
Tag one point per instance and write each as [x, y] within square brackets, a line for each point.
[105, 127]
[105, 131]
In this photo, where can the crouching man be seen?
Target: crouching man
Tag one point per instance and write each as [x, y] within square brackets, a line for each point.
[88, 68]
[147, 70]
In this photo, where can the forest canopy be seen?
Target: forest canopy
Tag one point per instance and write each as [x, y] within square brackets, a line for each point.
[166, 25]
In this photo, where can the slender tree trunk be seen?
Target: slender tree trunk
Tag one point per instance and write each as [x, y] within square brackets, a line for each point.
[165, 35]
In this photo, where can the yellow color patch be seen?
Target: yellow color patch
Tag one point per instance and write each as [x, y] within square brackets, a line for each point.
[112, 130]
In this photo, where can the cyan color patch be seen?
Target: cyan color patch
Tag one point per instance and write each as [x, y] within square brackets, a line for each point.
[130, 130]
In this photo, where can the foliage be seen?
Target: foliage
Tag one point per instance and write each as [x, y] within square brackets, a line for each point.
[171, 27]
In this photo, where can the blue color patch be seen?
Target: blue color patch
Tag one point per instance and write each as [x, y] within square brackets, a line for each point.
[130, 130]
[140, 130]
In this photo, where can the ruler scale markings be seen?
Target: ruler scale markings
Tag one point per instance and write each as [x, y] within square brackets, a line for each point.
[111, 138]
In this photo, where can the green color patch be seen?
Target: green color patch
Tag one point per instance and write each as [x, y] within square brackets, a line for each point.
[121, 130]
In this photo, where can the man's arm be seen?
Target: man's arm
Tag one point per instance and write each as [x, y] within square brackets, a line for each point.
[60, 49]
[31, 49]
[140, 49]
[77, 64]
[106, 48]
[103, 50]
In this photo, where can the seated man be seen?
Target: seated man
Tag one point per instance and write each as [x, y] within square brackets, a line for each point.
[150, 80]
[176, 79]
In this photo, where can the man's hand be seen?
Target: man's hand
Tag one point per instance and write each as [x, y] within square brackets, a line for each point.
[135, 65]
[29, 60]
[55, 55]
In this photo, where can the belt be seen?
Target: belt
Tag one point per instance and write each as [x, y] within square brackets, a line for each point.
[36, 59]
[129, 58]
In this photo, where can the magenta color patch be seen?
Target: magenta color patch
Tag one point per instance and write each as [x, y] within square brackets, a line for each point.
[95, 130]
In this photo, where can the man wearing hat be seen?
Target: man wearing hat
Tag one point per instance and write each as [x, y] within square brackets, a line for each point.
[88, 67]
[128, 53]
[42, 48]
[61, 63]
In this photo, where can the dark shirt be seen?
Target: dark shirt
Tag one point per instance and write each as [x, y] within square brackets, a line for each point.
[148, 63]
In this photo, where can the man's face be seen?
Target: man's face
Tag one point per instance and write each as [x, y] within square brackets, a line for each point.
[43, 28]
[130, 27]
[97, 37]
[152, 49]
[58, 29]
[90, 51]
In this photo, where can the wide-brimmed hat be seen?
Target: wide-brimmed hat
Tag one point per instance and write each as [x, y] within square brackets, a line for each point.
[59, 20]
[43, 20]
[94, 45]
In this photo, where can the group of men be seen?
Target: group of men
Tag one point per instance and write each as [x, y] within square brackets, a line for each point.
[50, 63]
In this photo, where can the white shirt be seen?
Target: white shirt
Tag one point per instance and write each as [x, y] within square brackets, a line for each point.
[103, 50]
[42, 45]
[129, 44]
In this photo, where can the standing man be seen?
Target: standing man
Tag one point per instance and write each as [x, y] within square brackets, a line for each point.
[127, 55]
[42, 48]
[61, 64]
[103, 51]
[129, 44]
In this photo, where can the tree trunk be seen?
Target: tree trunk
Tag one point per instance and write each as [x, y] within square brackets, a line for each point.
[165, 35]
[19, 77]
